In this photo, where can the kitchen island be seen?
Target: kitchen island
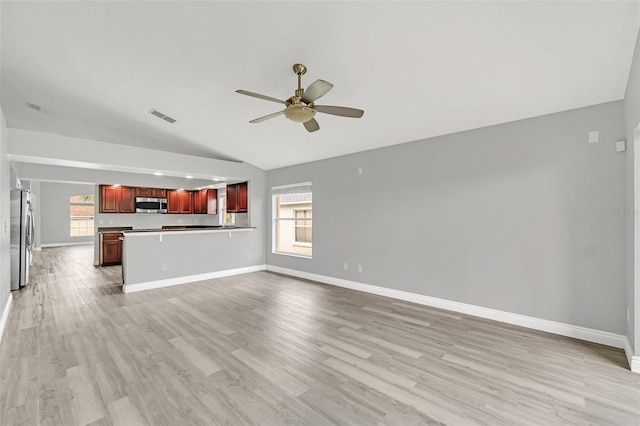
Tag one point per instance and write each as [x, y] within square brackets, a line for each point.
[154, 258]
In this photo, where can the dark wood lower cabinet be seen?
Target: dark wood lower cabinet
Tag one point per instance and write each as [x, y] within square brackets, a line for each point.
[111, 249]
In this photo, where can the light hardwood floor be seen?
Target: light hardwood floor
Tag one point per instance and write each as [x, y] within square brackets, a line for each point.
[262, 348]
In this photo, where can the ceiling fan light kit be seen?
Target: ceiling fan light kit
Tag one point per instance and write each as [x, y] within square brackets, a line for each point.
[300, 107]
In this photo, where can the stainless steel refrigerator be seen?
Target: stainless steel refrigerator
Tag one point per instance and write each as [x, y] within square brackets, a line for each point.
[22, 233]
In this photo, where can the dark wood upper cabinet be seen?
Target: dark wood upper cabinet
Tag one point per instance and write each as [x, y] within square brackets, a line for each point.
[108, 199]
[151, 192]
[243, 197]
[186, 202]
[200, 201]
[205, 201]
[127, 200]
[173, 201]
[117, 199]
[143, 192]
[158, 193]
[212, 201]
[232, 198]
[237, 198]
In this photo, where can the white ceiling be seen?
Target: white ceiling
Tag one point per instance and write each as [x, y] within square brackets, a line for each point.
[418, 69]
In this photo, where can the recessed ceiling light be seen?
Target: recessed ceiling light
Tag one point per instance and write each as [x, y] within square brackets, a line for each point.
[157, 173]
[189, 177]
[216, 179]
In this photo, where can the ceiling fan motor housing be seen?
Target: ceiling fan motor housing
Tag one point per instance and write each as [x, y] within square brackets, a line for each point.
[299, 113]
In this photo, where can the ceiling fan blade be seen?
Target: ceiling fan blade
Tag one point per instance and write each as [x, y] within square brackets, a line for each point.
[316, 90]
[258, 95]
[341, 111]
[311, 125]
[266, 117]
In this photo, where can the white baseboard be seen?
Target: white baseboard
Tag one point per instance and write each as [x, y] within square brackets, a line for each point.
[79, 243]
[5, 315]
[130, 288]
[577, 332]
[634, 360]
[39, 248]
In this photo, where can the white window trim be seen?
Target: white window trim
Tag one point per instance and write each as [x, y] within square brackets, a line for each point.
[275, 219]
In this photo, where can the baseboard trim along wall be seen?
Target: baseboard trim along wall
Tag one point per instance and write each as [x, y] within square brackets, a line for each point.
[5, 315]
[131, 288]
[634, 360]
[577, 332]
[79, 243]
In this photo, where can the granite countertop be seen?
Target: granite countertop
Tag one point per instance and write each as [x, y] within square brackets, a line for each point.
[114, 229]
[189, 228]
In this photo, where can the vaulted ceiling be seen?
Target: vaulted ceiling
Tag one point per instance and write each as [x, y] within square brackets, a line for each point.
[418, 69]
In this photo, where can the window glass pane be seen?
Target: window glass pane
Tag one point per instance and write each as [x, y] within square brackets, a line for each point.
[293, 220]
[81, 213]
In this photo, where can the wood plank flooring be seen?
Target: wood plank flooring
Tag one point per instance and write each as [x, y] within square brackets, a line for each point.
[266, 349]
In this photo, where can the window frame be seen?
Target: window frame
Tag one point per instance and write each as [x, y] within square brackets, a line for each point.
[275, 220]
[89, 231]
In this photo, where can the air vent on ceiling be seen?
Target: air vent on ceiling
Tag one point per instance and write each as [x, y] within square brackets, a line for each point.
[161, 115]
[34, 106]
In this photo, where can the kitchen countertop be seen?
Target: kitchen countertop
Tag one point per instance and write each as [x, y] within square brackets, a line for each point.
[114, 229]
[189, 229]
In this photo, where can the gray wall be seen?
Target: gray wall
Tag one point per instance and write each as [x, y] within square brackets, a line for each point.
[54, 212]
[5, 277]
[520, 217]
[632, 120]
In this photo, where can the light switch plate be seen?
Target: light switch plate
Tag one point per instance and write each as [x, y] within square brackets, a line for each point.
[621, 146]
[594, 136]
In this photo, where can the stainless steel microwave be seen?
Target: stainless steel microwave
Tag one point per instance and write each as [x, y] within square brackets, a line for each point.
[151, 205]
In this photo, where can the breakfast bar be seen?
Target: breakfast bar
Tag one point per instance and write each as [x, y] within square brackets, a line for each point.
[154, 258]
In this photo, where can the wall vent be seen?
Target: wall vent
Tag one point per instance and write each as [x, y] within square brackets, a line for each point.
[34, 106]
[163, 116]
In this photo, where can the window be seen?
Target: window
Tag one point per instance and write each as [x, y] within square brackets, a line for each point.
[292, 218]
[81, 210]
[303, 226]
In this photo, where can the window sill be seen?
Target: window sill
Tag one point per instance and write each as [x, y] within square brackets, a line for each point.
[302, 244]
[292, 254]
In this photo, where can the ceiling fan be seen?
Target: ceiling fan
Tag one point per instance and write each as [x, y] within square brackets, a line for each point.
[300, 107]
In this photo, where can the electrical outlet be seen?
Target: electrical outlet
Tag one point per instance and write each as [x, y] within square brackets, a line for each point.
[359, 269]
[359, 170]
[179, 220]
[101, 222]
[110, 221]
[164, 266]
[346, 266]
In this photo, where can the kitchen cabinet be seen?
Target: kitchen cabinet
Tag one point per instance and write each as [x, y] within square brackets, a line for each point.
[173, 201]
[151, 192]
[108, 199]
[179, 201]
[117, 199]
[186, 202]
[237, 198]
[111, 249]
[205, 201]
[127, 200]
